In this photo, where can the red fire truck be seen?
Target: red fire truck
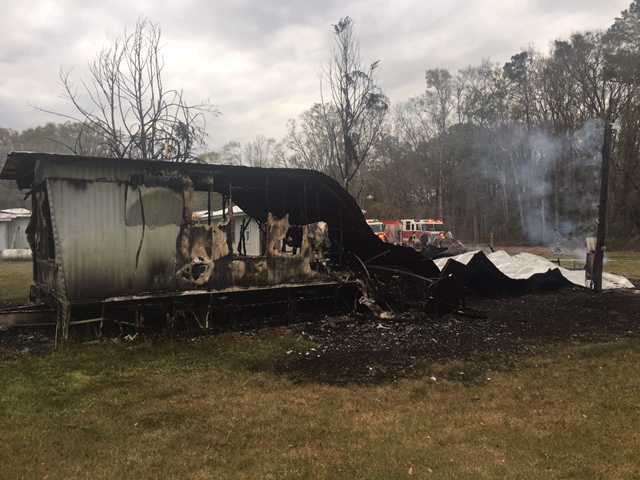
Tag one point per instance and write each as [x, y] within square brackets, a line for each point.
[409, 231]
[412, 231]
[378, 228]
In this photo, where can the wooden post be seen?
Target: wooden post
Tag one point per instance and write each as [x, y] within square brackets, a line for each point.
[602, 209]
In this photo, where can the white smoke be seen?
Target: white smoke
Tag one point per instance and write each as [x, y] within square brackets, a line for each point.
[574, 159]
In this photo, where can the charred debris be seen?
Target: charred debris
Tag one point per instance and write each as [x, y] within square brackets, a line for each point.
[116, 242]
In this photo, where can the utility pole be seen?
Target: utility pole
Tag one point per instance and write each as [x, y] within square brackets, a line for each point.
[602, 209]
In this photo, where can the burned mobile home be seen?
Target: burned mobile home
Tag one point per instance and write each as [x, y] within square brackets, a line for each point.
[119, 232]
[127, 242]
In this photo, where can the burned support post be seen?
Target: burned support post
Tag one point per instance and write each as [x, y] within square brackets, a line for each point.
[231, 224]
[63, 322]
[602, 209]
[209, 191]
[264, 232]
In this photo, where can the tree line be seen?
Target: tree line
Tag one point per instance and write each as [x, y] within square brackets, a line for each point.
[502, 152]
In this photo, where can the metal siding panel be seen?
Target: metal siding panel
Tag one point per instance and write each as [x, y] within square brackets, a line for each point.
[252, 239]
[157, 261]
[98, 249]
[4, 235]
[253, 244]
[252, 235]
[18, 233]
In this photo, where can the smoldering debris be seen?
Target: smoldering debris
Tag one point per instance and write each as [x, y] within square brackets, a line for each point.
[20, 343]
[357, 349]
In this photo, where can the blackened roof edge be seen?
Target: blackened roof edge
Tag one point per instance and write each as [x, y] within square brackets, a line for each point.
[26, 162]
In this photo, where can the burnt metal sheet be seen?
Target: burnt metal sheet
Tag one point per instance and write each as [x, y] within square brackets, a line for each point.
[26, 316]
[98, 247]
[481, 275]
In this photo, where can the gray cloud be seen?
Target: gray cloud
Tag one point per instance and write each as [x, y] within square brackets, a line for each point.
[260, 62]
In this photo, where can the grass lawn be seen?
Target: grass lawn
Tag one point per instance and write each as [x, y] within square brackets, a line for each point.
[625, 263]
[15, 279]
[226, 406]
[214, 409]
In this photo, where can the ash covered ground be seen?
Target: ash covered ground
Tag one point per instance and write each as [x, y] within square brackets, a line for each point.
[359, 348]
[362, 350]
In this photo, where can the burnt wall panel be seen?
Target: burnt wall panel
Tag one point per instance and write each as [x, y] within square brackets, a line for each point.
[101, 255]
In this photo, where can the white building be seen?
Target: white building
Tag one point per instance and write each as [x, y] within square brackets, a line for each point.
[13, 228]
[5, 223]
[251, 232]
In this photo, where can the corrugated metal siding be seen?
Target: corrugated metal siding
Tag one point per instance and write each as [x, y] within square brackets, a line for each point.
[97, 248]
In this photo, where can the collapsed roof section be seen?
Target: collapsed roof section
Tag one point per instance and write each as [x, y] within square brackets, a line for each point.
[523, 271]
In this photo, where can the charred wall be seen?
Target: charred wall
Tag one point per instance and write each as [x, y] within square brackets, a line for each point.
[123, 226]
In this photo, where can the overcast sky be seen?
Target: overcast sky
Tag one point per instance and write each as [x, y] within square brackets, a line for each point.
[260, 61]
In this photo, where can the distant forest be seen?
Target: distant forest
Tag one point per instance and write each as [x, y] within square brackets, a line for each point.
[509, 152]
[50, 138]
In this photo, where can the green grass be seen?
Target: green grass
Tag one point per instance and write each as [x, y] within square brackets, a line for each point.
[625, 263]
[15, 279]
[213, 409]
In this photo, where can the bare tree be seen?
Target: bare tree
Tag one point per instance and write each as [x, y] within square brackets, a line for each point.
[412, 124]
[259, 152]
[438, 100]
[355, 101]
[313, 140]
[126, 102]
[337, 136]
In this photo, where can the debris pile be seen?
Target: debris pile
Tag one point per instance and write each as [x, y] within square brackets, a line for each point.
[359, 349]
[526, 266]
[16, 344]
